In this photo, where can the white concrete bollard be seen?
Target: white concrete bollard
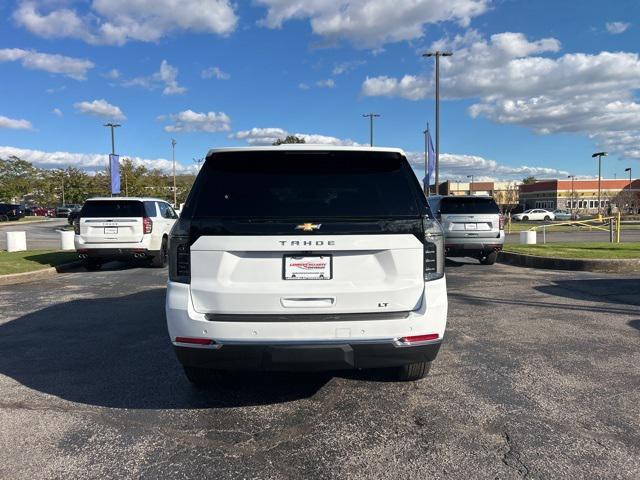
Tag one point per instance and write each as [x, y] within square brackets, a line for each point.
[66, 240]
[528, 237]
[16, 241]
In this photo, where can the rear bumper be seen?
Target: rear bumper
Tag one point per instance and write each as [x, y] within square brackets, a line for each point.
[115, 253]
[466, 245]
[306, 357]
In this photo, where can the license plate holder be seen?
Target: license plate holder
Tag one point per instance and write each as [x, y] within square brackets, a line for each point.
[307, 267]
[470, 226]
[110, 230]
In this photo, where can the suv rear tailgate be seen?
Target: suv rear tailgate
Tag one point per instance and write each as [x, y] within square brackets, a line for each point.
[244, 275]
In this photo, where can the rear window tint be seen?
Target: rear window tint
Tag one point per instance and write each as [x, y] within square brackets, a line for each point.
[113, 208]
[305, 185]
[468, 205]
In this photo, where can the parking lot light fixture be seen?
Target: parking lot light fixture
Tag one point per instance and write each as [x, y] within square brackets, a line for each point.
[371, 117]
[437, 54]
[471, 184]
[599, 155]
[629, 170]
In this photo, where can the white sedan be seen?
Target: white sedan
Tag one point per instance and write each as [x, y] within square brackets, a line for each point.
[534, 214]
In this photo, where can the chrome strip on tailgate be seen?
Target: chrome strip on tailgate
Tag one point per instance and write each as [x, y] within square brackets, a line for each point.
[306, 317]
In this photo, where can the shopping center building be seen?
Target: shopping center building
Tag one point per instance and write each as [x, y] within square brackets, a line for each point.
[581, 195]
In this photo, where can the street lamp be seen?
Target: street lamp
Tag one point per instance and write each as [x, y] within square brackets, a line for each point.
[437, 54]
[599, 155]
[175, 193]
[629, 170]
[371, 117]
[470, 185]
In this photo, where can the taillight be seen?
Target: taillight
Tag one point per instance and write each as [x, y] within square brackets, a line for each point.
[76, 226]
[433, 250]
[180, 252]
[501, 222]
[147, 225]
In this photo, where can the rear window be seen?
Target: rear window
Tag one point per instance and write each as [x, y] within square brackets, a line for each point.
[113, 208]
[305, 185]
[468, 205]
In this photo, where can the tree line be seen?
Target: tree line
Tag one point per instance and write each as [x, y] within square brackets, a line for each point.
[22, 182]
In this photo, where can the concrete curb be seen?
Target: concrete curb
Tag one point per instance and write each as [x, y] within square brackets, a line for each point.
[626, 265]
[13, 223]
[15, 278]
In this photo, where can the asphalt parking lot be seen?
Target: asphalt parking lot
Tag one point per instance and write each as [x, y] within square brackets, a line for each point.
[539, 377]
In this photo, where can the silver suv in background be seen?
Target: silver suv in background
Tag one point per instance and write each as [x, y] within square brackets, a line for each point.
[473, 226]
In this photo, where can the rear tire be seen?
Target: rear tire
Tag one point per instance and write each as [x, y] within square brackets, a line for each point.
[92, 264]
[489, 259]
[414, 371]
[160, 260]
[199, 377]
[547, 218]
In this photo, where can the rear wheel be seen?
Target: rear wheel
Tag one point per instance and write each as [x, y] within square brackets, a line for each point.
[199, 377]
[547, 218]
[92, 264]
[413, 371]
[160, 260]
[4, 218]
[489, 259]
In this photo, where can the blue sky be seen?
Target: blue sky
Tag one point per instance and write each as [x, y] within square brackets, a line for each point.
[532, 88]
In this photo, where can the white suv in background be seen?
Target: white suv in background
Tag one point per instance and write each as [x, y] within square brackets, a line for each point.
[124, 228]
[306, 258]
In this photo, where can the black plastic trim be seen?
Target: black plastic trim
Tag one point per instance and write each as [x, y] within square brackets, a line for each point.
[338, 356]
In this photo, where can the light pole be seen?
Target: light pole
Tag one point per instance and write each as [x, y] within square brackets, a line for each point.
[371, 117]
[427, 182]
[599, 155]
[573, 193]
[437, 54]
[175, 193]
[630, 197]
[471, 184]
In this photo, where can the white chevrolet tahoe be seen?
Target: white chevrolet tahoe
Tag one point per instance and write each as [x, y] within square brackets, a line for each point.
[306, 258]
[124, 228]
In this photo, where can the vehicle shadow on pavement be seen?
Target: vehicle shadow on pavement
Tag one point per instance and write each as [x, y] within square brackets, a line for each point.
[115, 352]
[634, 324]
[623, 291]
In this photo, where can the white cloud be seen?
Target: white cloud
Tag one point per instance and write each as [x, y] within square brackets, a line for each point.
[371, 23]
[615, 28]
[591, 94]
[345, 67]
[116, 22]
[303, 86]
[85, 161]
[190, 121]
[166, 78]
[14, 123]
[215, 72]
[71, 67]
[57, 112]
[267, 136]
[112, 74]
[100, 108]
[328, 83]
[456, 167]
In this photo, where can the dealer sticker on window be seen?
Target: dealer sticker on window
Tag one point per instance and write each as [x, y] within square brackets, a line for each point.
[316, 267]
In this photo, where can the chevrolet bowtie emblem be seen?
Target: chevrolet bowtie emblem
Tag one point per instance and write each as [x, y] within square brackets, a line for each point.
[308, 227]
